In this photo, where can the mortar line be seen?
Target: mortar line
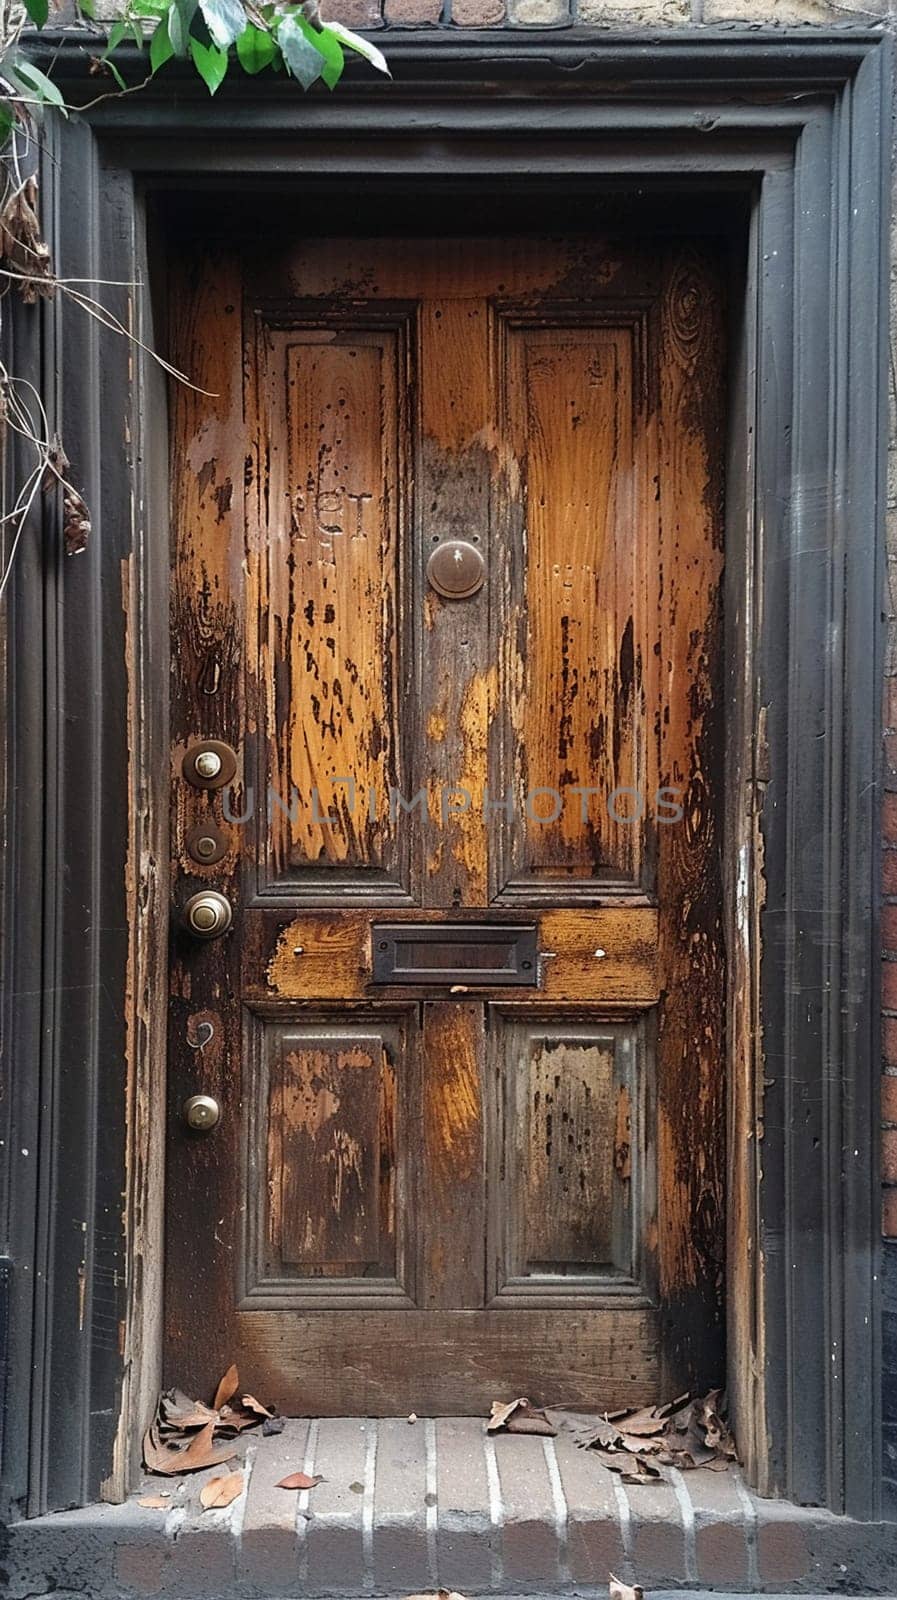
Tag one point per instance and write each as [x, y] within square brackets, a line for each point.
[750, 1527]
[560, 1508]
[625, 1514]
[431, 1503]
[495, 1507]
[688, 1524]
[367, 1504]
[300, 1525]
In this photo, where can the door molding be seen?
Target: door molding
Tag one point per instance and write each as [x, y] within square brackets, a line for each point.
[797, 121]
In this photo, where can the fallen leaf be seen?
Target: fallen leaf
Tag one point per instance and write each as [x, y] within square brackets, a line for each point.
[221, 1491]
[177, 1411]
[499, 1414]
[227, 1388]
[299, 1480]
[250, 1403]
[272, 1425]
[169, 1460]
[624, 1591]
[518, 1416]
[155, 1502]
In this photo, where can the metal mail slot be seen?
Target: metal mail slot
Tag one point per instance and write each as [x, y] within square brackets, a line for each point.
[454, 952]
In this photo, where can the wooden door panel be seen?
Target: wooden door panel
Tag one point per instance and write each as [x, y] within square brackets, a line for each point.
[604, 957]
[579, 548]
[570, 1206]
[425, 1194]
[332, 1117]
[449, 1363]
[328, 564]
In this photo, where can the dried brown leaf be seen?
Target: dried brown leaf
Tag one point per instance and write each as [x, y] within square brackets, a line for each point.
[601, 1434]
[624, 1591]
[221, 1491]
[500, 1412]
[155, 1502]
[299, 1480]
[178, 1412]
[651, 1419]
[200, 1452]
[249, 1403]
[227, 1388]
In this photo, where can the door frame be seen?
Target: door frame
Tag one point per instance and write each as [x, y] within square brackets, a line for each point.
[799, 122]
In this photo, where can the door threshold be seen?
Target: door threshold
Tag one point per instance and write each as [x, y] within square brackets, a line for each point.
[408, 1507]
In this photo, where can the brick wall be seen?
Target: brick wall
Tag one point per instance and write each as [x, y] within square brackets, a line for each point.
[600, 13]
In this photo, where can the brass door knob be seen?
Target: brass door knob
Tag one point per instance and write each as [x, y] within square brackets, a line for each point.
[201, 1112]
[207, 914]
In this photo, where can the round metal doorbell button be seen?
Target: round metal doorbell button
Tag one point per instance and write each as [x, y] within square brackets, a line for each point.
[210, 764]
[207, 914]
[456, 569]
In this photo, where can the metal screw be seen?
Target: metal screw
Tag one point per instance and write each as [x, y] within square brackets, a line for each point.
[298, 950]
[208, 763]
[205, 846]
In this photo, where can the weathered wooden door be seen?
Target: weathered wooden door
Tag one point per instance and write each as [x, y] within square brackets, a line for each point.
[446, 580]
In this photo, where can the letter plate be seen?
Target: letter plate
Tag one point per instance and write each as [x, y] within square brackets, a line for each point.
[465, 953]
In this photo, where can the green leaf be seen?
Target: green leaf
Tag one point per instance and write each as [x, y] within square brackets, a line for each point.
[255, 50]
[117, 32]
[331, 49]
[38, 11]
[210, 63]
[37, 81]
[87, 9]
[225, 20]
[303, 60]
[6, 121]
[363, 46]
[180, 16]
[161, 48]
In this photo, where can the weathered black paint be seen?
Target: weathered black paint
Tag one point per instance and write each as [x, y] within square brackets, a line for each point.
[800, 121]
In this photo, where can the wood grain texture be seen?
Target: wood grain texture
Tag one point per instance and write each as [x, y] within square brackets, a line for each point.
[600, 957]
[691, 1036]
[448, 1363]
[325, 562]
[453, 1155]
[573, 393]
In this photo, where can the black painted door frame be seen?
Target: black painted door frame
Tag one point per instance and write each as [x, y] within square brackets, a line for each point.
[798, 122]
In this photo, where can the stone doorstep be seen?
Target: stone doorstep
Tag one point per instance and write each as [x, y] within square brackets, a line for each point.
[440, 1504]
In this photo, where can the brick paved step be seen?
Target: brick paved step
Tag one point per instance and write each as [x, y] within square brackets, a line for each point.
[440, 1504]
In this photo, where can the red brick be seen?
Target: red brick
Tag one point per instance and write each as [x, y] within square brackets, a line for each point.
[889, 1041]
[413, 13]
[889, 1156]
[478, 13]
[889, 928]
[782, 1553]
[889, 1213]
[889, 985]
[889, 819]
[889, 1099]
[721, 1549]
